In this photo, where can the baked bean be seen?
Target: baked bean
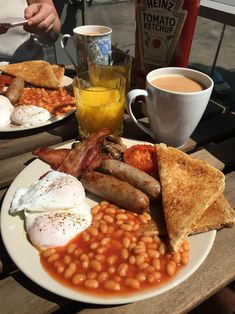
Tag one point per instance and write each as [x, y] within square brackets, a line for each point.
[70, 270]
[86, 236]
[150, 269]
[98, 216]
[101, 249]
[122, 269]
[147, 216]
[126, 242]
[132, 246]
[185, 245]
[100, 257]
[117, 233]
[140, 259]
[96, 265]
[133, 283]
[110, 210]
[111, 270]
[49, 252]
[119, 222]
[156, 263]
[103, 276]
[67, 259]
[104, 228]
[162, 248]
[78, 279]
[52, 258]
[143, 219]
[71, 248]
[125, 253]
[111, 259]
[91, 283]
[95, 209]
[84, 257]
[60, 269]
[94, 245]
[105, 241]
[113, 206]
[132, 260]
[147, 239]
[108, 218]
[144, 266]
[136, 227]
[90, 255]
[85, 264]
[141, 277]
[152, 246]
[122, 216]
[93, 231]
[112, 285]
[126, 227]
[130, 236]
[157, 239]
[130, 222]
[138, 249]
[171, 268]
[92, 275]
[154, 277]
[78, 252]
[176, 257]
[153, 253]
[184, 258]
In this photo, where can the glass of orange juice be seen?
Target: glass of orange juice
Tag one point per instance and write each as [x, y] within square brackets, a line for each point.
[99, 97]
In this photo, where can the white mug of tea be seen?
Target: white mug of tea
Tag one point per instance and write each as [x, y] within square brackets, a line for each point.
[92, 43]
[176, 99]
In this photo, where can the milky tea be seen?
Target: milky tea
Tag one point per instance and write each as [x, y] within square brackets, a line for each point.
[177, 83]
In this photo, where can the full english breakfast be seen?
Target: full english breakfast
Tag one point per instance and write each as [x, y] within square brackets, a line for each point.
[137, 238]
[33, 84]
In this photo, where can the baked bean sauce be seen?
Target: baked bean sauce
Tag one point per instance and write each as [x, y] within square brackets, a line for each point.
[57, 102]
[112, 256]
[5, 81]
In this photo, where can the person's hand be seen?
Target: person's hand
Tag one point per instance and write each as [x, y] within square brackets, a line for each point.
[3, 30]
[41, 18]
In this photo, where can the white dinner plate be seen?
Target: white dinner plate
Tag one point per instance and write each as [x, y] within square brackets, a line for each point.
[26, 257]
[13, 128]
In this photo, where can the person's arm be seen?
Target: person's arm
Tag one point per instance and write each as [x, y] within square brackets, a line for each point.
[43, 20]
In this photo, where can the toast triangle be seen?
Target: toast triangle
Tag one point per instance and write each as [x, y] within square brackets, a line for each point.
[189, 187]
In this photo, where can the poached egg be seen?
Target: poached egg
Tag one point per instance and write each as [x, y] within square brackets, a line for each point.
[6, 109]
[30, 115]
[55, 209]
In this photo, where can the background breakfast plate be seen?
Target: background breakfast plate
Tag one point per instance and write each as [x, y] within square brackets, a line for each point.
[13, 128]
[27, 259]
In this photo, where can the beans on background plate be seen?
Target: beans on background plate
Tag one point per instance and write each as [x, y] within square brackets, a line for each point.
[112, 257]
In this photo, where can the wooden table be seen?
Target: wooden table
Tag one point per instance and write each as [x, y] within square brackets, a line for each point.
[213, 140]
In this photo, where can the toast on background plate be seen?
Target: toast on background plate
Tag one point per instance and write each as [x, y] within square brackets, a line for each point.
[189, 187]
[58, 72]
[38, 73]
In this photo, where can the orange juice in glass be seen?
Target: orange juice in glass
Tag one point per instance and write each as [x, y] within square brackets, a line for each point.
[99, 101]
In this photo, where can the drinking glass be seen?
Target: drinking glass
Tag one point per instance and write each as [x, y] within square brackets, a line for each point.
[100, 98]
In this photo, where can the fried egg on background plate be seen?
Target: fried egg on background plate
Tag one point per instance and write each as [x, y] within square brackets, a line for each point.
[55, 209]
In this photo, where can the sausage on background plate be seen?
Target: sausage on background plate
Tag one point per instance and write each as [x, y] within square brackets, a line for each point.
[138, 178]
[15, 90]
[119, 192]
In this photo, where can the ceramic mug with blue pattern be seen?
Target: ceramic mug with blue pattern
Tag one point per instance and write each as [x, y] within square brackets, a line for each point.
[92, 43]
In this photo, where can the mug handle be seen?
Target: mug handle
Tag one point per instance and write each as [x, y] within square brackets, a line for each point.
[131, 96]
[63, 45]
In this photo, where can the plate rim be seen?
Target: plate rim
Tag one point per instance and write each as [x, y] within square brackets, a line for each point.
[57, 288]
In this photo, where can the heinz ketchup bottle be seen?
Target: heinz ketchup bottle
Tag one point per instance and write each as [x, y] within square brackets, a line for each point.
[164, 33]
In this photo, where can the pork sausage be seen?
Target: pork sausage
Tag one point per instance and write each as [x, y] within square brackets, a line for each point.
[119, 192]
[138, 178]
[15, 90]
